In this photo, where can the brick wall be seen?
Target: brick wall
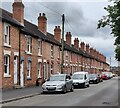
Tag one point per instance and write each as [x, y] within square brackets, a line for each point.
[8, 82]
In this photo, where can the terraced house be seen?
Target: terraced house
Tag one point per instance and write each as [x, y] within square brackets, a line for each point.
[29, 52]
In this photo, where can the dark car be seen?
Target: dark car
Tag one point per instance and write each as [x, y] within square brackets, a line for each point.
[93, 78]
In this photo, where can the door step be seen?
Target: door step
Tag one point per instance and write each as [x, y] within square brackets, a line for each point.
[17, 87]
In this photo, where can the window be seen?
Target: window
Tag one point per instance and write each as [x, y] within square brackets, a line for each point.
[6, 64]
[28, 69]
[39, 47]
[6, 34]
[51, 68]
[39, 69]
[29, 44]
[66, 55]
[52, 50]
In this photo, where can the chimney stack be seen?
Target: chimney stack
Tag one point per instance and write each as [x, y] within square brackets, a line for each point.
[87, 48]
[94, 51]
[57, 33]
[76, 43]
[68, 38]
[91, 52]
[18, 11]
[42, 23]
[82, 46]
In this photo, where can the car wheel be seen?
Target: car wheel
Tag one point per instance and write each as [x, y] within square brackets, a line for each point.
[88, 85]
[84, 85]
[43, 92]
[96, 81]
[64, 90]
[72, 88]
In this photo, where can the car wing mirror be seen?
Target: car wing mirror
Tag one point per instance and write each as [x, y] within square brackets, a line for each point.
[67, 80]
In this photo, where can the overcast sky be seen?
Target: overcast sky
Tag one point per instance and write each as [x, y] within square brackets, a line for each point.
[81, 20]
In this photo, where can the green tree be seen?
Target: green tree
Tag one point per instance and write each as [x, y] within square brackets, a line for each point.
[113, 20]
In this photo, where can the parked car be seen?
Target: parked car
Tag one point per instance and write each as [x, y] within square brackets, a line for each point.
[93, 78]
[58, 83]
[107, 74]
[80, 79]
[113, 75]
[104, 76]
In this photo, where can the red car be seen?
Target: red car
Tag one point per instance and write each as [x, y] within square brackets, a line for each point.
[104, 77]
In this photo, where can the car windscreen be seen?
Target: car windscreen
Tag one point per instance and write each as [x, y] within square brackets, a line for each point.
[57, 78]
[92, 76]
[78, 76]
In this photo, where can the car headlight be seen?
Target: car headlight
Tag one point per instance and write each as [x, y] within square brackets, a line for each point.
[60, 86]
[43, 85]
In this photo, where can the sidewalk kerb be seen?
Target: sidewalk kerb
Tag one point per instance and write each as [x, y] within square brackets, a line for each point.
[18, 98]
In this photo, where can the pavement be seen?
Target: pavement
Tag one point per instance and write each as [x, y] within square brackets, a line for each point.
[21, 93]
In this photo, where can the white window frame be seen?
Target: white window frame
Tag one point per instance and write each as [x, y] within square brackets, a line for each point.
[7, 35]
[52, 50]
[7, 53]
[51, 69]
[7, 63]
[39, 47]
[39, 69]
[29, 44]
[29, 69]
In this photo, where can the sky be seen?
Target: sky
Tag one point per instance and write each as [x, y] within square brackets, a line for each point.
[81, 19]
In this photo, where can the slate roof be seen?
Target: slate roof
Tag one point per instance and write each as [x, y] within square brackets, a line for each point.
[7, 17]
[32, 29]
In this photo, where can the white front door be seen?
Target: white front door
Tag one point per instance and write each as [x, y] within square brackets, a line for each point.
[21, 74]
[15, 70]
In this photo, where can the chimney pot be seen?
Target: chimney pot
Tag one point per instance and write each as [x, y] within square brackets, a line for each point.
[43, 14]
[55, 27]
[39, 14]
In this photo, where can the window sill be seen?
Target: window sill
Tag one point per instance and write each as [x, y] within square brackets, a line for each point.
[7, 76]
[28, 53]
[66, 60]
[39, 77]
[7, 45]
[52, 57]
[39, 55]
[28, 78]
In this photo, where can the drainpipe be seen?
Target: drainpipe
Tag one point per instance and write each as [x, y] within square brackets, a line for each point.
[19, 59]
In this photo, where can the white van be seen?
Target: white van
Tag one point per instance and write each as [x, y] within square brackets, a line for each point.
[80, 79]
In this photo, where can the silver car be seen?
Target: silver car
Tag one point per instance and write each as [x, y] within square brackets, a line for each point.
[58, 83]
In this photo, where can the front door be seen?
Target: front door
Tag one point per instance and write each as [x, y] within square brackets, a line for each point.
[15, 70]
[22, 74]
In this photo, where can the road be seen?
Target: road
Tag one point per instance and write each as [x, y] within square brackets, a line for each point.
[102, 94]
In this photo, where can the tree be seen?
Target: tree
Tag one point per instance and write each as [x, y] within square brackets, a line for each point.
[113, 20]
